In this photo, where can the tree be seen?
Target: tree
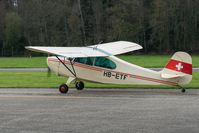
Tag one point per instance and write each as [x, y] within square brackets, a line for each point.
[13, 33]
[89, 20]
[158, 25]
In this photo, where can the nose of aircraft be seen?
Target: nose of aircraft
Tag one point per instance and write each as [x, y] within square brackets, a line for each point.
[51, 62]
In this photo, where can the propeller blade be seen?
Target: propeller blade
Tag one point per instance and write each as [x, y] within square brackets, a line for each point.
[49, 72]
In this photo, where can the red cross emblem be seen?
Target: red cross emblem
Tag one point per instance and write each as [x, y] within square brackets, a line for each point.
[179, 66]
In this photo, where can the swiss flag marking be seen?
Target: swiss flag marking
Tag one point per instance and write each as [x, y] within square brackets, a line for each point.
[179, 66]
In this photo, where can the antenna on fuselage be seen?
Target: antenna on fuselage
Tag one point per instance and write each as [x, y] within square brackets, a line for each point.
[98, 44]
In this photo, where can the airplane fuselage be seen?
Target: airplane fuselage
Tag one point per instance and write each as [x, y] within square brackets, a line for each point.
[114, 71]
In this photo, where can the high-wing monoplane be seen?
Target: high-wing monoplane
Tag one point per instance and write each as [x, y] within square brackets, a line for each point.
[98, 63]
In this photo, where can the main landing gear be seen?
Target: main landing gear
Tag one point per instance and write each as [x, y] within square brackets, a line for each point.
[79, 85]
[63, 88]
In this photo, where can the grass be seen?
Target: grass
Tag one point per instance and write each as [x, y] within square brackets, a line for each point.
[23, 62]
[40, 80]
[141, 60]
[154, 60]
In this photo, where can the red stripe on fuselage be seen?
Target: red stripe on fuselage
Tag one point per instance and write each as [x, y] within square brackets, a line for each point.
[101, 69]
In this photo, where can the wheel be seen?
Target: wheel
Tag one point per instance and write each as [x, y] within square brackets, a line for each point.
[63, 88]
[183, 90]
[79, 85]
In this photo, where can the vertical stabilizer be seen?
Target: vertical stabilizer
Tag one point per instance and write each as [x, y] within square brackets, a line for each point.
[179, 66]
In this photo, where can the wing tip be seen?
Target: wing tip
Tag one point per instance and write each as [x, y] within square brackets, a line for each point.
[128, 42]
[27, 47]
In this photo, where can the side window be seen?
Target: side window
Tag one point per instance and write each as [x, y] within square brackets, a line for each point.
[70, 58]
[80, 60]
[90, 60]
[105, 62]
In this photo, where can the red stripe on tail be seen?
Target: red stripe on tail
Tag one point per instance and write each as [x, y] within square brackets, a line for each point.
[179, 66]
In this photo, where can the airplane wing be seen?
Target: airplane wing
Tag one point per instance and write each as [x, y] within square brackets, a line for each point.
[106, 49]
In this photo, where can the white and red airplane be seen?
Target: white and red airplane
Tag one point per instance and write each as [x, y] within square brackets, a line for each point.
[97, 63]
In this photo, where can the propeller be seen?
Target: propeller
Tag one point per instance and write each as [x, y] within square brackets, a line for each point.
[49, 72]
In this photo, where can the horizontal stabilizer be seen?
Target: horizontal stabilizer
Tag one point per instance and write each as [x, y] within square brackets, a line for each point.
[168, 76]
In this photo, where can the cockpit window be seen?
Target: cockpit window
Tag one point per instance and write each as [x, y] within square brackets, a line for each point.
[90, 60]
[70, 59]
[85, 60]
[104, 62]
[80, 60]
[99, 61]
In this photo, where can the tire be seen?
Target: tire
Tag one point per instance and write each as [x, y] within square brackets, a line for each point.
[63, 88]
[79, 85]
[183, 90]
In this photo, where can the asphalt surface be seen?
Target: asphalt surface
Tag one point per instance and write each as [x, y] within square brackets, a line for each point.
[99, 111]
[46, 69]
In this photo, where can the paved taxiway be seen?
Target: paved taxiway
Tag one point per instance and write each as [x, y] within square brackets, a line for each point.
[99, 110]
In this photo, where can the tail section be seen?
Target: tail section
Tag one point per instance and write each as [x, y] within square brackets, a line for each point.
[179, 66]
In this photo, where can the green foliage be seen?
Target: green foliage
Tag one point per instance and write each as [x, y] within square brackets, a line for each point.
[172, 23]
[14, 34]
[160, 26]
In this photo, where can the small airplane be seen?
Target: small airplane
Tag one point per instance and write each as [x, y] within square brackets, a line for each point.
[98, 63]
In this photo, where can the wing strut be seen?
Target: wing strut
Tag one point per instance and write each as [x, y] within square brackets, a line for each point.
[73, 68]
[72, 72]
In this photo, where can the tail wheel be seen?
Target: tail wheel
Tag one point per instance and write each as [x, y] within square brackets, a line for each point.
[79, 85]
[183, 90]
[63, 88]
